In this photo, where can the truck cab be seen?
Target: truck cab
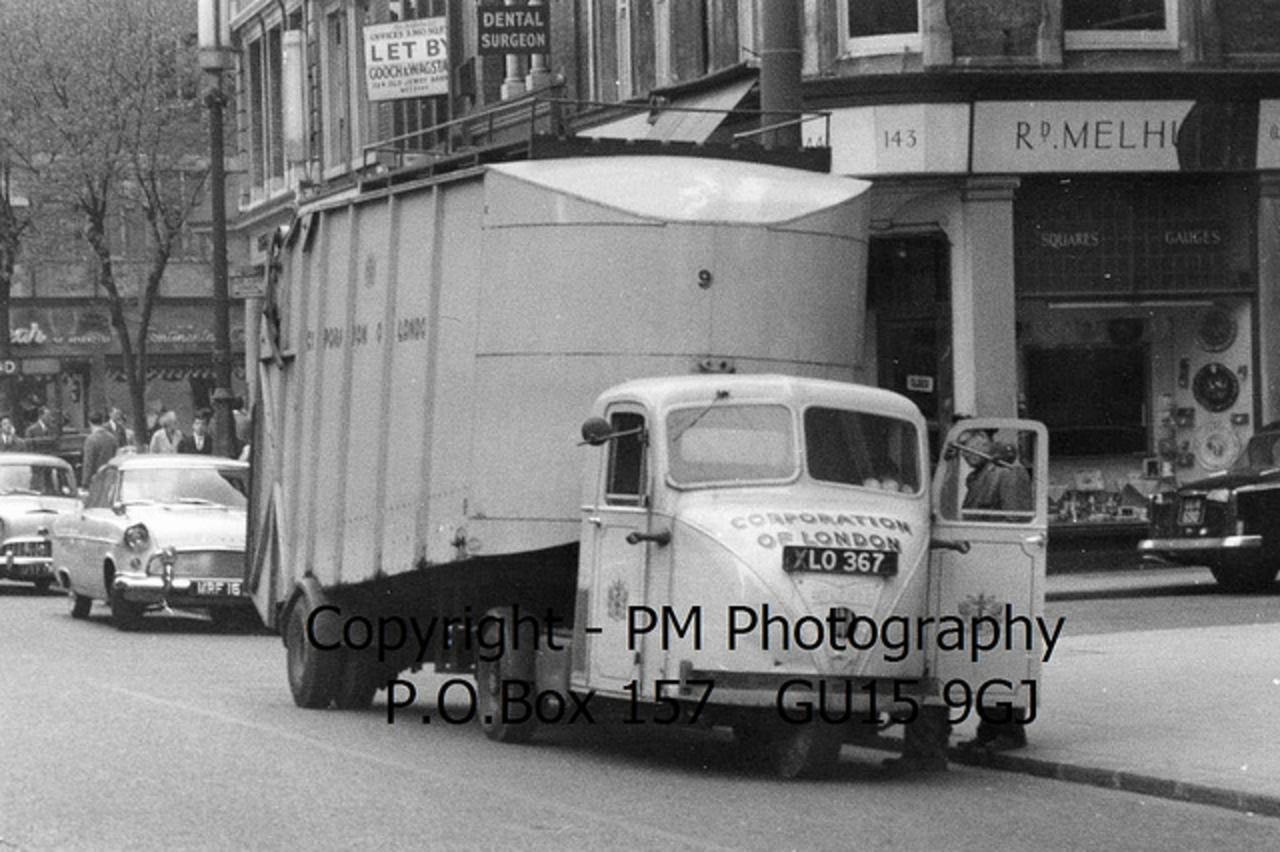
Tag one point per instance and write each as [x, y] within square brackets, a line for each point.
[768, 545]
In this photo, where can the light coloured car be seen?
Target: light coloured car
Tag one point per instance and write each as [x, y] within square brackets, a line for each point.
[34, 490]
[160, 531]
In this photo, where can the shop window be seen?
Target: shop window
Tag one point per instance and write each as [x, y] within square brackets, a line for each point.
[1092, 399]
[881, 26]
[1123, 24]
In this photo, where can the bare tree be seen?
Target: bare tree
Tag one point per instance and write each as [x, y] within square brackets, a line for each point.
[109, 94]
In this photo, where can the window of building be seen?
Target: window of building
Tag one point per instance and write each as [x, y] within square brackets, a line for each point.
[264, 71]
[1123, 24]
[603, 28]
[403, 119]
[704, 38]
[881, 26]
[336, 99]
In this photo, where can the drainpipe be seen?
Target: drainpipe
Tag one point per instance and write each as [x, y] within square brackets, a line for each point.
[780, 72]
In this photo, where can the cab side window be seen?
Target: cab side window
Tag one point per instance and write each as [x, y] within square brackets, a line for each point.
[625, 483]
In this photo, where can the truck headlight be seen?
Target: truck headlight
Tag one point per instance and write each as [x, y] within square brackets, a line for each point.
[136, 537]
[1218, 495]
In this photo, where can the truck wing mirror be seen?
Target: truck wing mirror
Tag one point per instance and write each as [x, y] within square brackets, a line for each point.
[596, 431]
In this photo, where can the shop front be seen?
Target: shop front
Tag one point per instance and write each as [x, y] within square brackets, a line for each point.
[67, 358]
[1091, 264]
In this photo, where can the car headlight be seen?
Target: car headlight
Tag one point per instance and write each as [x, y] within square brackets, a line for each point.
[1218, 495]
[136, 537]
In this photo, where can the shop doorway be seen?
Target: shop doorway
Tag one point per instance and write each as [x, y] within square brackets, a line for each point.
[909, 291]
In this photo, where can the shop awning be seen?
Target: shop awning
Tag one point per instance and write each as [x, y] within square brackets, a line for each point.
[682, 114]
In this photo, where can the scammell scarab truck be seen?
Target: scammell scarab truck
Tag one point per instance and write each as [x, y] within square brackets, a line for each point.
[589, 428]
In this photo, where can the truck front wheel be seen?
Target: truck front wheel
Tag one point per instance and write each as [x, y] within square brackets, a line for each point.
[313, 673]
[790, 751]
[512, 665]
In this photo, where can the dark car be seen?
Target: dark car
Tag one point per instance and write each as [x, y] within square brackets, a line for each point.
[1229, 521]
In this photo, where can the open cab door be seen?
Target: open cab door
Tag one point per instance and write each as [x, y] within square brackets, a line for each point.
[987, 567]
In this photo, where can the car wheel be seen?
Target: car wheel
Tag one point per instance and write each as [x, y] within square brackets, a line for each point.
[125, 615]
[512, 665]
[80, 605]
[313, 673]
[1244, 578]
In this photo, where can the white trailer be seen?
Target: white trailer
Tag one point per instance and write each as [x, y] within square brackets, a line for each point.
[421, 494]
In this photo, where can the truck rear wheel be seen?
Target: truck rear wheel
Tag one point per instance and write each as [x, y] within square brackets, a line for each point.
[313, 673]
[514, 665]
[357, 684]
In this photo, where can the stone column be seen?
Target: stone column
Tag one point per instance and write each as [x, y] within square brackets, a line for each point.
[983, 303]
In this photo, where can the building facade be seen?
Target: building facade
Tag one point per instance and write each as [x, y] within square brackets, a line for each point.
[1076, 203]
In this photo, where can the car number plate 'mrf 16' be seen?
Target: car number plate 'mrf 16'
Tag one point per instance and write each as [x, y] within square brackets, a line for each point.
[218, 588]
[836, 560]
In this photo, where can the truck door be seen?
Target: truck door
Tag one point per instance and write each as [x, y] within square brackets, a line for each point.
[987, 566]
[615, 529]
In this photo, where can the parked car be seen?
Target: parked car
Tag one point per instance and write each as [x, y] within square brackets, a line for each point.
[158, 531]
[34, 489]
[1229, 521]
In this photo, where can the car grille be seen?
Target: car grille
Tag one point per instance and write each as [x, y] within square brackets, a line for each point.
[40, 549]
[220, 564]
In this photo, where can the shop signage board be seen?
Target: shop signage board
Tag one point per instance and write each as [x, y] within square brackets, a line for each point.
[407, 59]
[1077, 136]
[896, 139]
[519, 30]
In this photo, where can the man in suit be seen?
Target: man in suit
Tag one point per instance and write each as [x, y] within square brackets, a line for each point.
[9, 440]
[116, 426]
[44, 429]
[99, 447]
[200, 441]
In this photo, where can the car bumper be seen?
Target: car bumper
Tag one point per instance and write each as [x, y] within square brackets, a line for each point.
[182, 591]
[1200, 545]
[25, 567]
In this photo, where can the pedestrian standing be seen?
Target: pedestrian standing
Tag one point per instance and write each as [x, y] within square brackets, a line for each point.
[200, 441]
[168, 435]
[99, 447]
[9, 440]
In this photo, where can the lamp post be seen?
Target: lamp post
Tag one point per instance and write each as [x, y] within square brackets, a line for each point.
[214, 38]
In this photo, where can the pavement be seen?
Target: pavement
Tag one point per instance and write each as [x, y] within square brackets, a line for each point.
[1188, 714]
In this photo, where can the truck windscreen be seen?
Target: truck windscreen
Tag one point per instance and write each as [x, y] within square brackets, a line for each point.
[856, 448]
[731, 444]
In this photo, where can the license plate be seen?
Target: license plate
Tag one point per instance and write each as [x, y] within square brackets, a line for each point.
[1192, 512]
[837, 560]
[217, 588]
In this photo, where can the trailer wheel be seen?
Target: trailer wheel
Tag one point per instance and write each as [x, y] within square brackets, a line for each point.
[313, 673]
[357, 684]
[513, 665]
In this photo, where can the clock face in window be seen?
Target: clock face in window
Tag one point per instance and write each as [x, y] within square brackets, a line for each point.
[1217, 330]
[1216, 387]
